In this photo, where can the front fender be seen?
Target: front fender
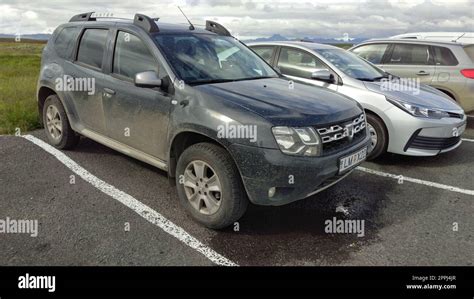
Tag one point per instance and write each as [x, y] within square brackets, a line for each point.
[219, 119]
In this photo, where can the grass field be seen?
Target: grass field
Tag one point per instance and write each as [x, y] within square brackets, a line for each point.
[19, 70]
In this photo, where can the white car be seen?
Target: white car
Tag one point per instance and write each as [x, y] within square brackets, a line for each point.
[460, 37]
[403, 117]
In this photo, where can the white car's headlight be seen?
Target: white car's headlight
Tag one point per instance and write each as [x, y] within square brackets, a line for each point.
[303, 141]
[418, 111]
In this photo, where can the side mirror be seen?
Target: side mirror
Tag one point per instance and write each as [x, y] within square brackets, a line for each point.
[147, 79]
[323, 75]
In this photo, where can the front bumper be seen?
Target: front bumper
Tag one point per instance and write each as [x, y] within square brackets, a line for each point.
[293, 177]
[413, 136]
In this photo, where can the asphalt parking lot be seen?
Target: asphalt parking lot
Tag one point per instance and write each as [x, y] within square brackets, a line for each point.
[408, 222]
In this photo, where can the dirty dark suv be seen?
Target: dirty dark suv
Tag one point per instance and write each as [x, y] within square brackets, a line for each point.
[199, 104]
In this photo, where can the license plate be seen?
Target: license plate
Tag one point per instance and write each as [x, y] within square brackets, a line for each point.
[352, 160]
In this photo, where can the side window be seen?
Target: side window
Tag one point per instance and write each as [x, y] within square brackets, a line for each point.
[65, 42]
[470, 51]
[266, 52]
[444, 56]
[131, 56]
[373, 53]
[298, 63]
[92, 47]
[408, 54]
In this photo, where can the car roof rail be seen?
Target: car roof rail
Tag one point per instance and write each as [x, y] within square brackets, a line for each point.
[140, 20]
[83, 17]
[146, 23]
[217, 28]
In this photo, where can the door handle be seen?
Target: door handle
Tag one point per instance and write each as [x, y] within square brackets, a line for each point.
[423, 73]
[108, 92]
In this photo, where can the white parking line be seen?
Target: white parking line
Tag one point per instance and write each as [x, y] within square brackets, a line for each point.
[468, 140]
[417, 181]
[141, 209]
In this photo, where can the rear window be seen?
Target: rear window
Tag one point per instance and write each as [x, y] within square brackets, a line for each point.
[408, 54]
[444, 56]
[470, 52]
[65, 41]
[92, 47]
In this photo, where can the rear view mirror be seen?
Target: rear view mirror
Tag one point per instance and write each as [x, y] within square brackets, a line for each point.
[147, 79]
[323, 75]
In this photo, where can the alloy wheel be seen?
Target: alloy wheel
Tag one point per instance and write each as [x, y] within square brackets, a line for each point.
[202, 187]
[54, 123]
[373, 137]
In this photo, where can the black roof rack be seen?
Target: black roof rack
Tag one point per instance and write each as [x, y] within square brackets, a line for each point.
[83, 17]
[217, 28]
[140, 20]
[146, 23]
[150, 25]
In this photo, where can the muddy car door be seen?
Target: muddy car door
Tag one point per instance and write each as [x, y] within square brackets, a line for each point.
[135, 116]
[85, 78]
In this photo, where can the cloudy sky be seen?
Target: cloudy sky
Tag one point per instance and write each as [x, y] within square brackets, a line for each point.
[257, 18]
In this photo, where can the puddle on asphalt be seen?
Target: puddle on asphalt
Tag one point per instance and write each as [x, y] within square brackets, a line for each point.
[295, 234]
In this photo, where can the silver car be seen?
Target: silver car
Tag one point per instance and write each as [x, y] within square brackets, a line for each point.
[403, 117]
[445, 65]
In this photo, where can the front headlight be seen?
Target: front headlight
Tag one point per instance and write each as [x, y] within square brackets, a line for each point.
[418, 111]
[303, 141]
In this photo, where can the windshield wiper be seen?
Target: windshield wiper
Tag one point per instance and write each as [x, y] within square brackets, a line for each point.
[380, 78]
[366, 79]
[257, 78]
[375, 78]
[210, 81]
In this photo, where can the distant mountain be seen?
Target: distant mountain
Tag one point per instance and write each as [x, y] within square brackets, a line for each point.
[273, 38]
[39, 36]
[322, 40]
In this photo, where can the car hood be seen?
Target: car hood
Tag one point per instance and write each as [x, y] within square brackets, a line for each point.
[423, 95]
[273, 99]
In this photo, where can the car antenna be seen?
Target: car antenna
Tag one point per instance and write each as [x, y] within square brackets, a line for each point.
[459, 37]
[191, 26]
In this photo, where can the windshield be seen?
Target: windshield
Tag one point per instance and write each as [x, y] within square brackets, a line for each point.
[352, 65]
[206, 58]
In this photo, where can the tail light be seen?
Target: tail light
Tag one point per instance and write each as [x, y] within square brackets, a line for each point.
[468, 73]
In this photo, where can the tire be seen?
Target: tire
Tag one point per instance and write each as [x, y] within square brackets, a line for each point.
[58, 130]
[376, 126]
[221, 209]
